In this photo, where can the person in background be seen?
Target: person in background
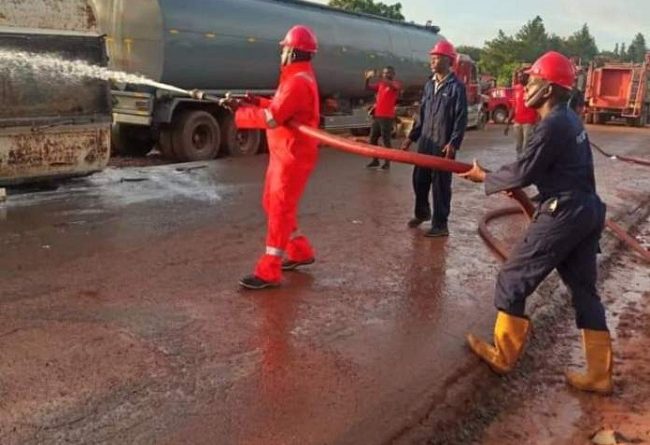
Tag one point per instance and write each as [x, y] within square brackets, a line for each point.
[383, 112]
[524, 117]
[439, 131]
[577, 102]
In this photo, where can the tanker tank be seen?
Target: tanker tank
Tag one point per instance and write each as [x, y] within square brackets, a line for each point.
[233, 44]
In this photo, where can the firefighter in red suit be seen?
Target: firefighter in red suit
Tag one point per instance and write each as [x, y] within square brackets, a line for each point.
[293, 156]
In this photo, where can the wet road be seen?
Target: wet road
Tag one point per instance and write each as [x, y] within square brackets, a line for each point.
[121, 320]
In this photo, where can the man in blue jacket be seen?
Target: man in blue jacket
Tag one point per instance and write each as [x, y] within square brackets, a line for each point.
[439, 131]
[563, 235]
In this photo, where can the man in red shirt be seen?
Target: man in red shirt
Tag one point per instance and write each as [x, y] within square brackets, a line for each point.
[388, 90]
[525, 118]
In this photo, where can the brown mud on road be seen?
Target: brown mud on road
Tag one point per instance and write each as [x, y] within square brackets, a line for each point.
[121, 320]
[535, 406]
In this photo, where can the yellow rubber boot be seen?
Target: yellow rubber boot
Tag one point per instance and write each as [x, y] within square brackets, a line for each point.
[598, 352]
[510, 334]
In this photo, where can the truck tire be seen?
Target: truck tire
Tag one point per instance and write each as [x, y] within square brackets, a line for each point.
[239, 142]
[500, 115]
[599, 118]
[642, 121]
[133, 140]
[165, 144]
[195, 136]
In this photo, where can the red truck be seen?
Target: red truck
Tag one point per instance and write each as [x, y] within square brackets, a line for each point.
[467, 71]
[499, 100]
[620, 91]
[499, 103]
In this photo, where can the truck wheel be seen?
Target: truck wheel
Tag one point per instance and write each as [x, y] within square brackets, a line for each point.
[500, 115]
[165, 143]
[642, 120]
[133, 140]
[599, 118]
[239, 142]
[195, 136]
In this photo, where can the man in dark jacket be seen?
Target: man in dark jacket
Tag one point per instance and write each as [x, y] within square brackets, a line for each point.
[439, 131]
[563, 235]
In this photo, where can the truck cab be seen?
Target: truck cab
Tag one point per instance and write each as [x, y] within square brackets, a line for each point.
[52, 125]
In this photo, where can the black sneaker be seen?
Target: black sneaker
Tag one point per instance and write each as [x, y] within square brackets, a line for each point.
[293, 265]
[373, 164]
[437, 232]
[415, 222]
[386, 166]
[253, 282]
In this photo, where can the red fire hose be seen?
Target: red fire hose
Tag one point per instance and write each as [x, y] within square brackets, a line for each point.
[525, 206]
[629, 159]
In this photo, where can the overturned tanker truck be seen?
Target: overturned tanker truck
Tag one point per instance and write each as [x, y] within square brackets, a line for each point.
[232, 46]
[51, 125]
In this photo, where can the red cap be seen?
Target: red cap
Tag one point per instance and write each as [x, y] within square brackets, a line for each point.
[444, 48]
[555, 68]
[302, 38]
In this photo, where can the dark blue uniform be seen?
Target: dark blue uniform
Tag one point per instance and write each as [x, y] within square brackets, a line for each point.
[566, 228]
[442, 121]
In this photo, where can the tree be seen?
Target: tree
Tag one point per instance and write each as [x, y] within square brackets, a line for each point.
[497, 53]
[507, 72]
[556, 43]
[581, 44]
[370, 7]
[616, 50]
[532, 40]
[637, 49]
[623, 53]
[472, 51]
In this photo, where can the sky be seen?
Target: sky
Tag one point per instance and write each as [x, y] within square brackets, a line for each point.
[472, 22]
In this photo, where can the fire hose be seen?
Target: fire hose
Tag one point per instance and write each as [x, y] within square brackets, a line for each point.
[629, 159]
[524, 205]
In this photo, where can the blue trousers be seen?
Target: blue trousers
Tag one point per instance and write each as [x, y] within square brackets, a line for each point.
[437, 184]
[564, 235]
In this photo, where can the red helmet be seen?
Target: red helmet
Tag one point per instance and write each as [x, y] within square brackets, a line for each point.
[555, 68]
[444, 48]
[302, 38]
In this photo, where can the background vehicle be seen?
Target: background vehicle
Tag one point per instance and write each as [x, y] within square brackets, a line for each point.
[467, 71]
[232, 45]
[499, 104]
[618, 90]
[51, 125]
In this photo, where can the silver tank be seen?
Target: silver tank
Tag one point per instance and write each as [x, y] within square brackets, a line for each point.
[233, 44]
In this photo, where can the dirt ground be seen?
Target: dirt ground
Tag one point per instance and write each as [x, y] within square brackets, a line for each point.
[121, 320]
[541, 409]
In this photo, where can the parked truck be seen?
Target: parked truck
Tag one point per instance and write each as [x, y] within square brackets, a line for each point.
[232, 46]
[619, 91]
[51, 125]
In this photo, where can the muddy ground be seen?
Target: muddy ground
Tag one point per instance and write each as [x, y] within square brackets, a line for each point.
[121, 320]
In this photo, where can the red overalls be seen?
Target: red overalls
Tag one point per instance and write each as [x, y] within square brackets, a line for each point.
[292, 158]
